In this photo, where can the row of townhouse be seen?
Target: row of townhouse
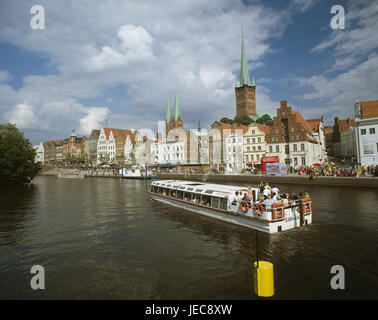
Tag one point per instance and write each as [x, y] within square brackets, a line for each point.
[356, 139]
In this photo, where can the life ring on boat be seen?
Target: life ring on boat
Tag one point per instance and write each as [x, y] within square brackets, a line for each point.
[256, 208]
[244, 207]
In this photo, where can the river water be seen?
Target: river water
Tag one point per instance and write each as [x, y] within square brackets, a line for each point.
[103, 238]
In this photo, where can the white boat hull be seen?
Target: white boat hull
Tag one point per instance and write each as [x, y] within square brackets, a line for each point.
[249, 219]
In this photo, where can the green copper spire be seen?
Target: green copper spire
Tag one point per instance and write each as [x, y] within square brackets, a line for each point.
[253, 82]
[73, 134]
[168, 113]
[244, 73]
[176, 111]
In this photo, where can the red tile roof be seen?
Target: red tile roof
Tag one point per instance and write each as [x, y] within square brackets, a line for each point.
[314, 124]
[344, 125]
[299, 119]
[369, 109]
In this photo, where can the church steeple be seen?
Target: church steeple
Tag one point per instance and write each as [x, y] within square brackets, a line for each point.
[244, 73]
[176, 112]
[245, 90]
[168, 113]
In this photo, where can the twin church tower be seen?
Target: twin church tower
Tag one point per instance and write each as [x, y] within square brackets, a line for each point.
[245, 93]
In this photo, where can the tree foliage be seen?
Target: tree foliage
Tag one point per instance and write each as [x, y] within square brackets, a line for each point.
[245, 120]
[227, 120]
[17, 157]
[265, 119]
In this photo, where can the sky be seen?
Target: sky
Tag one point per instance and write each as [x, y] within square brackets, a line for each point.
[116, 63]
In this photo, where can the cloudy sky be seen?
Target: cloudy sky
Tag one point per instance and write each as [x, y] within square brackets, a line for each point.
[118, 61]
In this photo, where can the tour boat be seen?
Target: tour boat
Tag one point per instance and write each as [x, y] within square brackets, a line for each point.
[217, 201]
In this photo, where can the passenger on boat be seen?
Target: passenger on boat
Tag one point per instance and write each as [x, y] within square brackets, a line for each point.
[285, 199]
[266, 191]
[306, 195]
[275, 198]
[250, 194]
[262, 187]
[275, 190]
[268, 202]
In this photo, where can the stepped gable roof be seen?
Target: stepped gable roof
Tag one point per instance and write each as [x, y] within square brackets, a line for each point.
[299, 119]
[369, 109]
[117, 132]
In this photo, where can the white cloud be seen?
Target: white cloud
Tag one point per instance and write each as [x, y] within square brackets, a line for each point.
[25, 117]
[150, 49]
[93, 120]
[135, 44]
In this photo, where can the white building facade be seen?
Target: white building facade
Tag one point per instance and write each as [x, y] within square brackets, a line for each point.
[366, 130]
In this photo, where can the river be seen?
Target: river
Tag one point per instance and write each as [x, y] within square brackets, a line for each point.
[103, 238]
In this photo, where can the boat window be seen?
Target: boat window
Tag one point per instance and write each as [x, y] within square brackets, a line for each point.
[206, 200]
[223, 203]
[171, 192]
[157, 184]
[165, 191]
[168, 185]
[163, 184]
[190, 189]
[215, 202]
[180, 195]
[196, 198]
[182, 187]
[187, 196]
[209, 191]
[198, 190]
[175, 187]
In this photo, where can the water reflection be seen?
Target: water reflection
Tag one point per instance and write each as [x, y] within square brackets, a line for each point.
[104, 238]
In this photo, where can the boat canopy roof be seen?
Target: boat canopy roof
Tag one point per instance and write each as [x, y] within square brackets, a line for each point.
[217, 190]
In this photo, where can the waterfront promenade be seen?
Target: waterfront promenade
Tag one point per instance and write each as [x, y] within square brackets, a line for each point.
[366, 182]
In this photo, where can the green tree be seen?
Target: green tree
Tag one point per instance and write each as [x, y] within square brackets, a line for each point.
[245, 120]
[17, 157]
[227, 120]
[265, 119]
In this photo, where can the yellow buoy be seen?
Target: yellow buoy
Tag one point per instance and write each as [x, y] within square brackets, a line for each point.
[264, 279]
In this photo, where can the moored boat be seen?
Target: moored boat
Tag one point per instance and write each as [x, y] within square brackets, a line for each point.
[70, 176]
[217, 201]
[135, 173]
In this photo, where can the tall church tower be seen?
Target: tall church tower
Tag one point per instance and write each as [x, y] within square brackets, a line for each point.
[245, 91]
[173, 119]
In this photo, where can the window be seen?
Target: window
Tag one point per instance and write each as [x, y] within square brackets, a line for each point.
[297, 137]
[372, 130]
[215, 202]
[253, 158]
[248, 149]
[276, 131]
[259, 148]
[292, 129]
[302, 147]
[270, 149]
[253, 131]
[287, 151]
[254, 148]
[248, 140]
[303, 161]
[295, 147]
[259, 140]
[258, 157]
[246, 158]
[277, 148]
[363, 132]
[223, 203]
[254, 140]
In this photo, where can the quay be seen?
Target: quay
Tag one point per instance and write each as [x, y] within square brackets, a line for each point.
[365, 182]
